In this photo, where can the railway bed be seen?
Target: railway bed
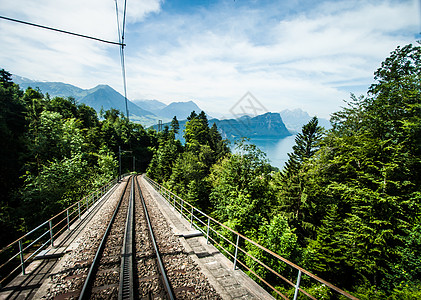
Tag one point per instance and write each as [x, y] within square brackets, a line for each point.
[186, 278]
[194, 269]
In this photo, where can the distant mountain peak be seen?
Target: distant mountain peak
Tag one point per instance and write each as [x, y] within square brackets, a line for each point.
[295, 119]
[103, 87]
[180, 109]
[269, 125]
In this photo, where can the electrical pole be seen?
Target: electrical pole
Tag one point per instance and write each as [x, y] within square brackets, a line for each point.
[119, 163]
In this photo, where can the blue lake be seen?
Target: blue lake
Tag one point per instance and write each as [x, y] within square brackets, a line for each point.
[276, 149]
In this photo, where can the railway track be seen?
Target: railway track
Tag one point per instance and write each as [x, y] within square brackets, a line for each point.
[102, 280]
[127, 264]
[116, 249]
[153, 280]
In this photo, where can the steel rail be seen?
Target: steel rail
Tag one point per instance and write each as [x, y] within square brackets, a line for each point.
[126, 271]
[161, 267]
[86, 289]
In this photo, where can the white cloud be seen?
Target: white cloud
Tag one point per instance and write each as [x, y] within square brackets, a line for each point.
[52, 56]
[138, 10]
[311, 59]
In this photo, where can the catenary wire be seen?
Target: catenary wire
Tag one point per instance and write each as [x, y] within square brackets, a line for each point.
[62, 31]
[120, 43]
[124, 19]
[121, 40]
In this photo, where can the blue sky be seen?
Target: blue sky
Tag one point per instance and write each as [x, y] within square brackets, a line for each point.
[288, 54]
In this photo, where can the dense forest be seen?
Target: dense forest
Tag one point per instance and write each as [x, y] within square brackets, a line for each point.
[347, 205]
[55, 151]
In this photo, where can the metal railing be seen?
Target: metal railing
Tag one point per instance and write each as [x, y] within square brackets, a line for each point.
[18, 254]
[208, 226]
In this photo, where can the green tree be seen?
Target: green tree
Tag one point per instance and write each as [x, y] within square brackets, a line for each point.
[175, 126]
[66, 107]
[196, 132]
[306, 145]
[276, 235]
[293, 192]
[241, 193]
[163, 159]
[13, 127]
[192, 116]
[185, 173]
[369, 168]
[217, 144]
[188, 177]
[141, 142]
[55, 152]
[88, 116]
[327, 255]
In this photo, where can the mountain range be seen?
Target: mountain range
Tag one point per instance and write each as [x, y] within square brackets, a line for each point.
[180, 109]
[148, 112]
[268, 125]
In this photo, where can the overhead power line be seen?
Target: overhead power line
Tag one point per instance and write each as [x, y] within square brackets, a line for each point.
[124, 20]
[121, 40]
[63, 31]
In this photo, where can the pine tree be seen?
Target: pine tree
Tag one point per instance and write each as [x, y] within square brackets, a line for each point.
[175, 126]
[13, 127]
[192, 116]
[327, 255]
[217, 144]
[293, 196]
[369, 167]
[306, 144]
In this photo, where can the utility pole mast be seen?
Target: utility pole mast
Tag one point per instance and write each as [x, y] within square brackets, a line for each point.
[119, 161]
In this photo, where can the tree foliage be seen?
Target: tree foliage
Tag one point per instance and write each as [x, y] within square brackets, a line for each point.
[184, 169]
[295, 204]
[368, 171]
[55, 151]
[347, 205]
